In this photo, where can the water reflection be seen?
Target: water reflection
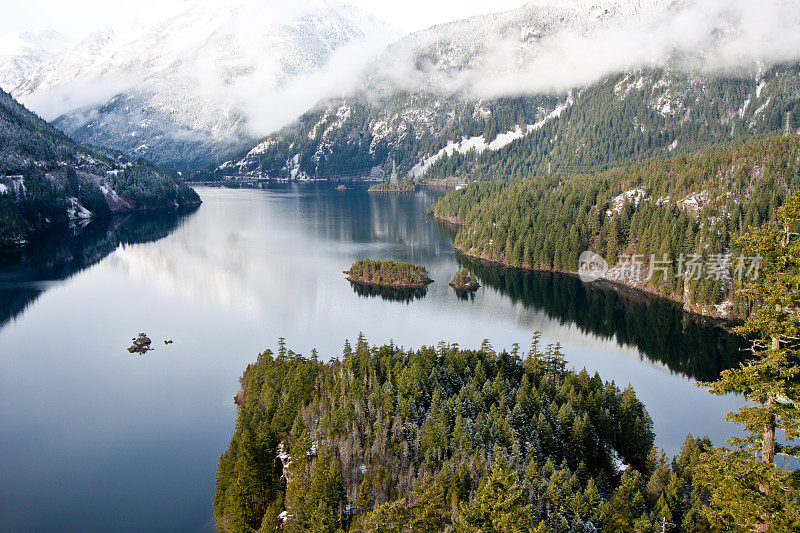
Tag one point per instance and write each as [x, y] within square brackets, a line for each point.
[467, 296]
[686, 344]
[112, 442]
[389, 293]
[26, 272]
[360, 217]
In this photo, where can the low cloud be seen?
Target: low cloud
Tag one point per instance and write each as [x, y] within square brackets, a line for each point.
[710, 36]
[229, 61]
[80, 93]
[720, 37]
[210, 64]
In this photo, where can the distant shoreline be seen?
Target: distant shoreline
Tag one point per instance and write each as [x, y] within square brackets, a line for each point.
[614, 284]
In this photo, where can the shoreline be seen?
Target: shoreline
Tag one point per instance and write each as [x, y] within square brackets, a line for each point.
[407, 286]
[613, 284]
[37, 233]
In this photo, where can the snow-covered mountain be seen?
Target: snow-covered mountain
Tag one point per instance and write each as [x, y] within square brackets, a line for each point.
[549, 71]
[465, 55]
[21, 52]
[202, 81]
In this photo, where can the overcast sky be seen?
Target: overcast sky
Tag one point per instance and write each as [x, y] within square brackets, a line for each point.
[78, 16]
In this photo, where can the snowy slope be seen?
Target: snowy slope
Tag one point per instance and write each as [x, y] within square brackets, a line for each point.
[21, 52]
[487, 83]
[182, 90]
[458, 55]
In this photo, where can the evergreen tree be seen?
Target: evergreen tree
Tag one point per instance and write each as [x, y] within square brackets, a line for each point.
[747, 486]
[500, 506]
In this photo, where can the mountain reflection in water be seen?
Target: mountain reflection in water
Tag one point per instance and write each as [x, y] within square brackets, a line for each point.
[26, 272]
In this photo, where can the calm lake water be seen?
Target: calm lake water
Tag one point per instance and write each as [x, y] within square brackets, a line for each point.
[94, 438]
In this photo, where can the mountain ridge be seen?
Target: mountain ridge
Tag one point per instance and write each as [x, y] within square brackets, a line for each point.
[47, 180]
[187, 89]
[426, 107]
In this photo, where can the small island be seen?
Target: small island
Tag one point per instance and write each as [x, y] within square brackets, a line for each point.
[405, 186]
[388, 274]
[464, 281]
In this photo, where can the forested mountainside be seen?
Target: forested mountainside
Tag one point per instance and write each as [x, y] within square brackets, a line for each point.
[623, 118]
[48, 180]
[691, 206]
[386, 439]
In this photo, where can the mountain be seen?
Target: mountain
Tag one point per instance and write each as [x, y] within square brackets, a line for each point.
[22, 52]
[549, 86]
[194, 86]
[48, 180]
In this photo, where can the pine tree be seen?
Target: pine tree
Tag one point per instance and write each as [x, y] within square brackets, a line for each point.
[499, 506]
[747, 486]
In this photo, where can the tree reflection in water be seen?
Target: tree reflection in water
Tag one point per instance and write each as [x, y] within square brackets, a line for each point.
[28, 271]
[697, 347]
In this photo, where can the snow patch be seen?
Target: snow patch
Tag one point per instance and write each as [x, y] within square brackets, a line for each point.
[76, 211]
[617, 462]
[693, 203]
[260, 148]
[618, 202]
[760, 88]
[724, 309]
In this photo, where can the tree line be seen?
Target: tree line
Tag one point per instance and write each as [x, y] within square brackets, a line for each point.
[688, 206]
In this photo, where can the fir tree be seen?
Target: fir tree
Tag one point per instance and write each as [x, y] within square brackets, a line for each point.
[748, 488]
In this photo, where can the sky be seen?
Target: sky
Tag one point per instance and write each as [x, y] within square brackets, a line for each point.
[79, 16]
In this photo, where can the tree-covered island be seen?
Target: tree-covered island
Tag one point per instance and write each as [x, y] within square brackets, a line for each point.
[464, 281]
[388, 274]
[447, 439]
[405, 186]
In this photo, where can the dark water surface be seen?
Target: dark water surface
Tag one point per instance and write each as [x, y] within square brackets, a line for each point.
[94, 439]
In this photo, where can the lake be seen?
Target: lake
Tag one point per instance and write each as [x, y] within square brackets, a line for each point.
[95, 438]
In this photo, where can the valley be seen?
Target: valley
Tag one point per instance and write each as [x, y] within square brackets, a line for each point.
[519, 266]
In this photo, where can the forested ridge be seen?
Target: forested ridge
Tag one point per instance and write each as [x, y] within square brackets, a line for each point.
[624, 118]
[386, 439]
[46, 179]
[690, 205]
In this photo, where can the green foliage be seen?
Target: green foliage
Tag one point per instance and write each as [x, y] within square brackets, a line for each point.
[388, 273]
[464, 280]
[545, 222]
[406, 186]
[500, 505]
[748, 488]
[443, 438]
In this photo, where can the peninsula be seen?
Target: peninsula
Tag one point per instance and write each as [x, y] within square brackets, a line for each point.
[405, 186]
